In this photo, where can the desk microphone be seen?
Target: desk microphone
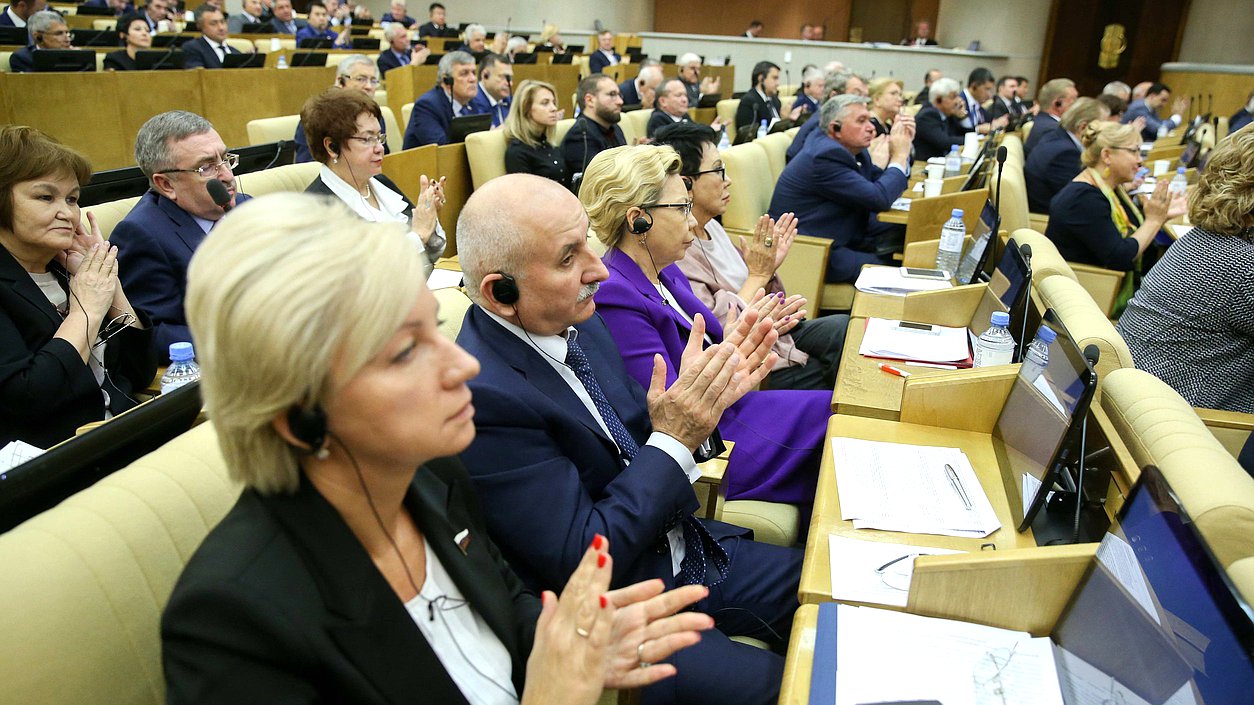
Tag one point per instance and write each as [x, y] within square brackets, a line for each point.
[1001, 162]
[221, 197]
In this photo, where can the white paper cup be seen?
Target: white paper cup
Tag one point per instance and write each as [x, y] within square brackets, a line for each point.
[1161, 166]
[932, 187]
[935, 171]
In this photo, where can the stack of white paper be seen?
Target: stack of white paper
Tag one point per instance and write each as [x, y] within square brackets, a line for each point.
[16, 453]
[901, 204]
[889, 339]
[444, 279]
[861, 570]
[888, 280]
[898, 487]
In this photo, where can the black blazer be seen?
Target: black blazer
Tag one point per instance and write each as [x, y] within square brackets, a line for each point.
[545, 160]
[659, 119]
[1042, 125]
[282, 603]
[199, 53]
[46, 390]
[1054, 163]
[935, 134]
[320, 188]
[753, 109]
[119, 61]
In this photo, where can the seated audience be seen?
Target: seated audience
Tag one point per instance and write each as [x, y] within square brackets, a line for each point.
[1117, 106]
[689, 65]
[285, 20]
[596, 128]
[811, 95]
[1055, 97]
[755, 29]
[1056, 159]
[807, 32]
[180, 153]
[978, 91]
[318, 27]
[818, 33]
[47, 30]
[157, 11]
[921, 98]
[922, 35]
[399, 51]
[496, 79]
[514, 47]
[119, 7]
[362, 16]
[210, 48]
[133, 30]
[886, 102]
[251, 14]
[1092, 220]
[1119, 89]
[75, 350]
[1191, 324]
[835, 190]
[837, 80]
[939, 122]
[455, 88]
[617, 466]
[355, 72]
[1242, 117]
[356, 565]
[551, 39]
[436, 25]
[398, 15]
[642, 90]
[726, 278]
[1007, 102]
[761, 101]
[605, 54]
[18, 12]
[1155, 99]
[475, 39]
[530, 131]
[672, 106]
[1022, 94]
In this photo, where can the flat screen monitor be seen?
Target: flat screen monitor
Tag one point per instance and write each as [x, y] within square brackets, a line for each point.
[978, 175]
[574, 48]
[1039, 426]
[316, 43]
[1156, 620]
[307, 58]
[359, 31]
[94, 10]
[668, 58]
[365, 44]
[149, 60]
[14, 36]
[62, 60]
[256, 28]
[981, 248]
[525, 58]
[244, 61]
[563, 58]
[709, 100]
[164, 41]
[462, 126]
[1009, 286]
[84, 38]
[66, 468]
[432, 59]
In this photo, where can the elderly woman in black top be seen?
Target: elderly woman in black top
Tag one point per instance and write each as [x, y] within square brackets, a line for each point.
[530, 133]
[72, 349]
[134, 33]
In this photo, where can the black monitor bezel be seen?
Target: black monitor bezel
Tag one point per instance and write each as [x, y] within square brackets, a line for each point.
[76, 60]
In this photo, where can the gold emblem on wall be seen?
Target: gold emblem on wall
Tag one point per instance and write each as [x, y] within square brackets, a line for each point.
[1114, 43]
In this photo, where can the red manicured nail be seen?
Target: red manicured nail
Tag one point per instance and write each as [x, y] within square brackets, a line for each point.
[596, 542]
[604, 602]
[544, 597]
[601, 561]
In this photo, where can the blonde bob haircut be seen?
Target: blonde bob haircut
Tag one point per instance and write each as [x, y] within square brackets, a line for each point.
[1099, 135]
[288, 297]
[518, 123]
[620, 178]
[1224, 199]
[881, 84]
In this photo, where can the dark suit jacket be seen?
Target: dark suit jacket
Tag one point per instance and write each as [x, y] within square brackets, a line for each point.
[753, 109]
[659, 119]
[155, 243]
[631, 96]
[537, 446]
[119, 61]
[279, 27]
[1015, 110]
[1054, 162]
[320, 188]
[282, 603]
[22, 60]
[837, 196]
[935, 134]
[1042, 125]
[46, 390]
[4, 18]
[808, 130]
[428, 124]
[197, 52]
[430, 30]
[388, 61]
[597, 61]
[811, 105]
[584, 140]
[483, 106]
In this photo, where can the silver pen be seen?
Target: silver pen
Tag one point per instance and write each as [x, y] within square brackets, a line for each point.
[957, 485]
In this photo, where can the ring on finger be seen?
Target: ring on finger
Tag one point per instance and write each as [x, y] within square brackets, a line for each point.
[769, 242]
[582, 632]
[640, 656]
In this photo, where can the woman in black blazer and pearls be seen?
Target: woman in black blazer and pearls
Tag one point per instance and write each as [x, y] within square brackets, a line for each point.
[134, 33]
[530, 132]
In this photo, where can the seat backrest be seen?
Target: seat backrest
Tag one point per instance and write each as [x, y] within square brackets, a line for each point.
[109, 214]
[486, 153]
[911, 109]
[406, 110]
[1046, 261]
[267, 130]
[4, 61]
[248, 47]
[563, 126]
[453, 306]
[1014, 197]
[100, 57]
[776, 148]
[1086, 322]
[1160, 428]
[749, 170]
[726, 110]
[87, 580]
[396, 135]
[785, 104]
[104, 24]
[1014, 149]
[290, 177]
[635, 124]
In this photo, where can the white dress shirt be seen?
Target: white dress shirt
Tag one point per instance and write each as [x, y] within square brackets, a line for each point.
[17, 21]
[391, 210]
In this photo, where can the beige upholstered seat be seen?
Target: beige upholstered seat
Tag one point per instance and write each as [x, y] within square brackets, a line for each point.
[1046, 262]
[406, 110]
[4, 60]
[109, 214]
[749, 169]
[104, 24]
[726, 110]
[248, 47]
[453, 304]
[559, 133]
[1102, 285]
[1087, 323]
[776, 147]
[265, 45]
[395, 133]
[87, 580]
[1160, 428]
[266, 130]
[290, 177]
[635, 125]
[486, 153]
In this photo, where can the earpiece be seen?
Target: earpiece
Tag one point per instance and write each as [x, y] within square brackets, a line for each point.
[505, 289]
[641, 224]
[1058, 103]
[687, 182]
[447, 80]
[309, 426]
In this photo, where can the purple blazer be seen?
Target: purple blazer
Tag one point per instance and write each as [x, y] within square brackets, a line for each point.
[778, 433]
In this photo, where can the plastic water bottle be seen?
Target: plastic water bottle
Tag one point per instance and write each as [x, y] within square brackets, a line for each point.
[1179, 183]
[996, 346]
[762, 129]
[953, 162]
[183, 368]
[724, 142]
[1036, 358]
[282, 61]
[953, 233]
[966, 270]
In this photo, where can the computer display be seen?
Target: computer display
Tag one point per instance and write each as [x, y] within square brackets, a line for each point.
[1156, 620]
[980, 249]
[65, 60]
[1009, 286]
[1039, 427]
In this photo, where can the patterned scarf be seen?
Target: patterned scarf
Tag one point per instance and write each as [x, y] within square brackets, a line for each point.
[1120, 208]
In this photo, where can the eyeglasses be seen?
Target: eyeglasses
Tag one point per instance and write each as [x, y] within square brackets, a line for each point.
[371, 141]
[720, 170]
[685, 207]
[1134, 150]
[112, 328]
[365, 80]
[61, 33]
[896, 574]
[229, 161]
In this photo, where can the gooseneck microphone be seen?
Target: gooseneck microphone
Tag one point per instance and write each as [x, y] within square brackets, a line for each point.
[1001, 162]
[219, 194]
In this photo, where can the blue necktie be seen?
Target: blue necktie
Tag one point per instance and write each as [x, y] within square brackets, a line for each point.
[578, 363]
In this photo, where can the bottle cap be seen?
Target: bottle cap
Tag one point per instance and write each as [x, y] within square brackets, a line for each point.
[957, 213]
[1047, 334]
[181, 352]
[1000, 318]
[1179, 170]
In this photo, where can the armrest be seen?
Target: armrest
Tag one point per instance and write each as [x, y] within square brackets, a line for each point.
[1102, 284]
[711, 486]
[1232, 429]
[805, 269]
[1038, 221]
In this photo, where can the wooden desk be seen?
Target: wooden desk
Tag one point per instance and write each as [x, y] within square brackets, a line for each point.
[862, 388]
[799, 663]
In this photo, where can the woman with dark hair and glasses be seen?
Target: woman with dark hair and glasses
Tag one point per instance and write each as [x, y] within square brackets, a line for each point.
[345, 133]
[72, 348]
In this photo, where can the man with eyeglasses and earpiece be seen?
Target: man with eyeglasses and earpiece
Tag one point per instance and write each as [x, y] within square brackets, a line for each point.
[47, 30]
[181, 154]
[355, 72]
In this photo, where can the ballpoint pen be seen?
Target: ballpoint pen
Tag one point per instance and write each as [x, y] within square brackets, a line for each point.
[957, 485]
[896, 372]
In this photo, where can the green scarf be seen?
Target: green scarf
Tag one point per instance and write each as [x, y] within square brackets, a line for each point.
[1120, 208]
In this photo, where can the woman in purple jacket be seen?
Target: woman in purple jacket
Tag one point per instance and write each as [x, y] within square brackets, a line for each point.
[640, 210]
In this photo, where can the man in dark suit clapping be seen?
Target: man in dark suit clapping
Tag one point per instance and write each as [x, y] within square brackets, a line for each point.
[938, 123]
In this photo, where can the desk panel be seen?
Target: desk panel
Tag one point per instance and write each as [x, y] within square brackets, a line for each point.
[862, 388]
[150, 93]
[80, 109]
[232, 97]
[451, 163]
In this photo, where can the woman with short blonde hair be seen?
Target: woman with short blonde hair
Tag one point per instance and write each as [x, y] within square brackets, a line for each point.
[530, 130]
[886, 102]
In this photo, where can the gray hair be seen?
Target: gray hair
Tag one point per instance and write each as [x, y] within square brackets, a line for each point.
[451, 59]
[646, 63]
[473, 29]
[689, 58]
[152, 144]
[810, 74]
[1118, 88]
[649, 72]
[346, 65]
[836, 82]
[392, 29]
[837, 107]
[42, 21]
[942, 87]
[515, 43]
[488, 240]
